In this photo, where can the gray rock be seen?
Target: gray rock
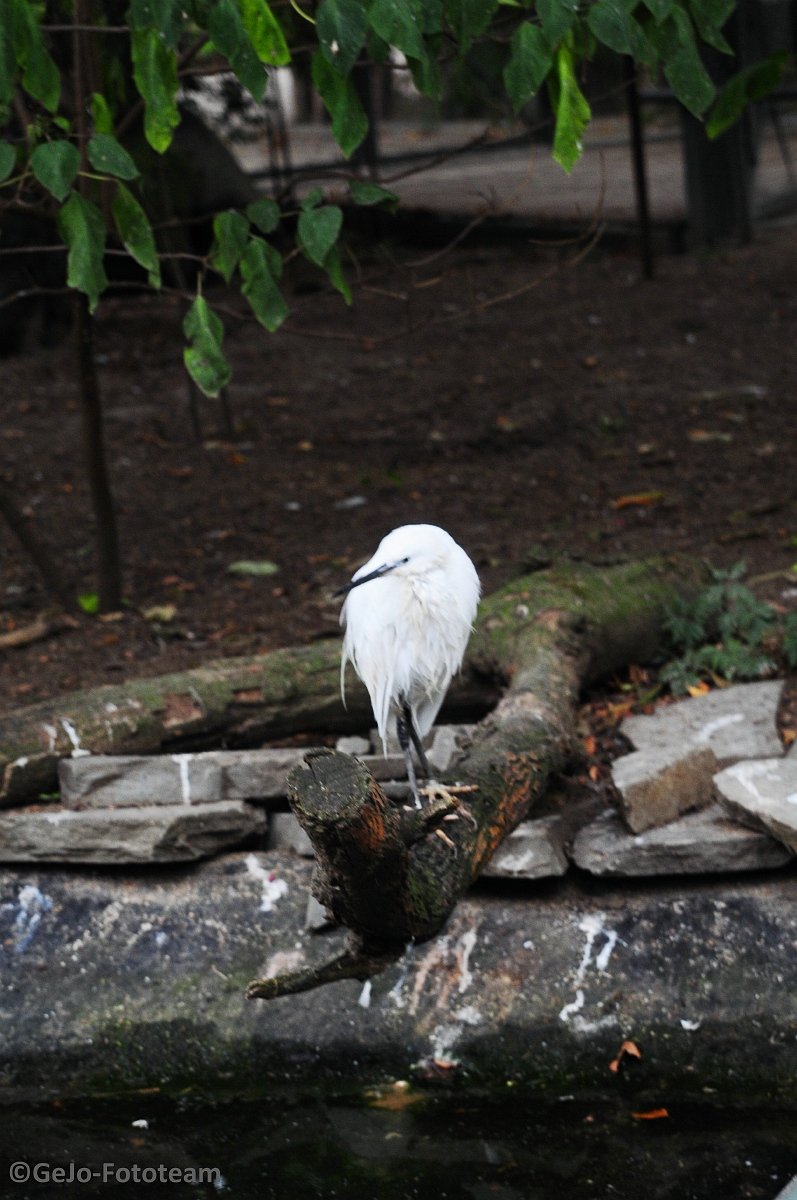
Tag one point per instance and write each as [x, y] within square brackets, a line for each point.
[316, 917]
[763, 793]
[130, 979]
[285, 833]
[353, 745]
[701, 842]
[656, 785]
[789, 1192]
[445, 749]
[120, 781]
[736, 722]
[158, 834]
[258, 774]
[535, 850]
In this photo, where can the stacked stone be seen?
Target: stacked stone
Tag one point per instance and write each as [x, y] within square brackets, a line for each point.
[708, 788]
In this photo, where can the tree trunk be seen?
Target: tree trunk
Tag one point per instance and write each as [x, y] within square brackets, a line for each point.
[393, 876]
[109, 575]
[245, 701]
[39, 553]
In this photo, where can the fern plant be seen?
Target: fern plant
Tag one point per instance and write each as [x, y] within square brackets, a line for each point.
[726, 633]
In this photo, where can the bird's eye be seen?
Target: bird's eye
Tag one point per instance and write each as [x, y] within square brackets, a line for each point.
[405, 560]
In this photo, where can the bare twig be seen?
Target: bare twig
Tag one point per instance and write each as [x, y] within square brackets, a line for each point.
[42, 627]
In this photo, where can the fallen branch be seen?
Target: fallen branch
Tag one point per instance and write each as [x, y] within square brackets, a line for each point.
[248, 700]
[42, 627]
[385, 872]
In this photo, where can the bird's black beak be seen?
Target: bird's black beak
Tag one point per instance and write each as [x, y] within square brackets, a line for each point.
[382, 570]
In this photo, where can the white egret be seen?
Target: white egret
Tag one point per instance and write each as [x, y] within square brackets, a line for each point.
[406, 631]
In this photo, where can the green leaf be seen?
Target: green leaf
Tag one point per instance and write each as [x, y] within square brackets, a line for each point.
[334, 269]
[230, 38]
[660, 9]
[318, 231]
[110, 157]
[81, 226]
[557, 17]
[160, 15]
[264, 213]
[40, 76]
[529, 62]
[155, 75]
[246, 566]
[260, 286]
[572, 111]
[55, 165]
[709, 17]
[349, 122]
[341, 26]
[403, 23]
[399, 23]
[469, 19]
[231, 233]
[683, 68]
[610, 21]
[204, 359]
[89, 602]
[8, 160]
[364, 192]
[265, 33]
[313, 198]
[101, 114]
[136, 233]
[8, 63]
[752, 83]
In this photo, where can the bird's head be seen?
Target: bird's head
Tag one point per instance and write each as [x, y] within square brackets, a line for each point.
[411, 551]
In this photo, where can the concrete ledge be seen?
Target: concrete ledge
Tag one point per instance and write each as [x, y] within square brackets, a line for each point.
[128, 979]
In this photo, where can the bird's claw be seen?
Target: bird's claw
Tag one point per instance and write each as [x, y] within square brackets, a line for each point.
[449, 795]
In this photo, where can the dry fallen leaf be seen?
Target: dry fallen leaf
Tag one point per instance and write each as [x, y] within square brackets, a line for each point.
[638, 500]
[709, 435]
[627, 1048]
[698, 689]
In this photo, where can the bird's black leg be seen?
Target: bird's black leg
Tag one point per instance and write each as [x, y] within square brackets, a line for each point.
[416, 741]
[406, 730]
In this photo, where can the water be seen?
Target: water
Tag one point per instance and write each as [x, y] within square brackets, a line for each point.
[394, 1143]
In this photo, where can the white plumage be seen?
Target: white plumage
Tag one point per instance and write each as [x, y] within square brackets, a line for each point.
[408, 615]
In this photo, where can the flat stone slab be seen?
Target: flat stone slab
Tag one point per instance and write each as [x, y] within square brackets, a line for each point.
[136, 979]
[658, 784]
[704, 842]
[735, 722]
[535, 850]
[285, 833]
[121, 781]
[763, 792]
[158, 834]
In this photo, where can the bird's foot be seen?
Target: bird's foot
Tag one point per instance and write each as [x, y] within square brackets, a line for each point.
[448, 795]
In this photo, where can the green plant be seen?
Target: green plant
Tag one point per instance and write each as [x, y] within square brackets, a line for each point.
[726, 633]
[91, 96]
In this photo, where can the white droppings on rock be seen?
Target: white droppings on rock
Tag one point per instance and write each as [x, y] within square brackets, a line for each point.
[594, 926]
[465, 946]
[182, 761]
[273, 888]
[364, 998]
[72, 734]
[706, 732]
[32, 904]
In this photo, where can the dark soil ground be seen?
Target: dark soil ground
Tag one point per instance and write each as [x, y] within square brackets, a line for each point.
[590, 413]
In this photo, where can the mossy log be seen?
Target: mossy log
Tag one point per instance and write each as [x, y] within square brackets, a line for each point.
[393, 875]
[247, 700]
